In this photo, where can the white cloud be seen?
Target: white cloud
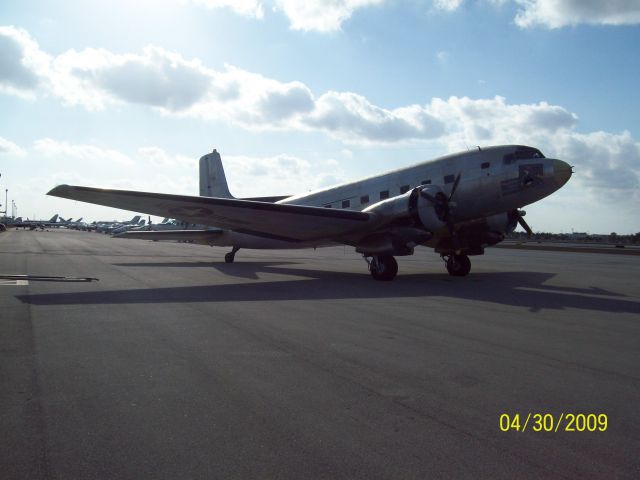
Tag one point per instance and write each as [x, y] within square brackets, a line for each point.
[158, 78]
[329, 15]
[560, 13]
[487, 121]
[249, 8]
[352, 118]
[10, 148]
[158, 157]
[448, 5]
[607, 164]
[176, 86]
[89, 153]
[22, 64]
[321, 15]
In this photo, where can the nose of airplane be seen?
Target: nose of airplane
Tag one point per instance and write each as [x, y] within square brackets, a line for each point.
[561, 172]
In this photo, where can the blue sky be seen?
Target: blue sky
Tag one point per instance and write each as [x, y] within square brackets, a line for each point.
[302, 94]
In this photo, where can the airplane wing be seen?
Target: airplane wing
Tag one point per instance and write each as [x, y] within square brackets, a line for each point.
[294, 223]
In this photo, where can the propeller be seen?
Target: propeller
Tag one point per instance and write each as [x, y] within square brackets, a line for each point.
[455, 186]
[442, 206]
[519, 217]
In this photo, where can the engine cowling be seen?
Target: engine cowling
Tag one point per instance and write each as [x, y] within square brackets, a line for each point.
[413, 220]
[502, 222]
[412, 205]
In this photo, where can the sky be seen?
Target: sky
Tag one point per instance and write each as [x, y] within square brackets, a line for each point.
[302, 94]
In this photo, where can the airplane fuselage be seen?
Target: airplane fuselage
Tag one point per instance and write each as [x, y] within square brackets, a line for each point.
[493, 181]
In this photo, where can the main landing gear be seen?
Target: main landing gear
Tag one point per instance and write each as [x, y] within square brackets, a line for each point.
[229, 257]
[457, 265]
[382, 267]
[385, 267]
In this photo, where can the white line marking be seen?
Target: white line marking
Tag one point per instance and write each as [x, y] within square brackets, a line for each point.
[14, 282]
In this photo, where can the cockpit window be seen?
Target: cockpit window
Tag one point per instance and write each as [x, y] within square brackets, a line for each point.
[523, 153]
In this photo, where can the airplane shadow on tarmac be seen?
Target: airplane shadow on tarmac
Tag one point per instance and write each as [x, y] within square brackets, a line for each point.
[522, 289]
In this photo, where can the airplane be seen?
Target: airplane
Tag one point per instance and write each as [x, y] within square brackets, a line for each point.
[33, 224]
[125, 227]
[108, 227]
[74, 224]
[457, 204]
[166, 224]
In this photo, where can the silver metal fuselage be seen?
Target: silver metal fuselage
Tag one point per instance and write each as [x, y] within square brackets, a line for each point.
[493, 180]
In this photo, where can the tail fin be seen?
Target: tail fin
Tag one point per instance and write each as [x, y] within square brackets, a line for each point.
[213, 182]
[54, 219]
[135, 220]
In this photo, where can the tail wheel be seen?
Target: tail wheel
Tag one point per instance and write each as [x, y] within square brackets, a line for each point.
[383, 267]
[458, 265]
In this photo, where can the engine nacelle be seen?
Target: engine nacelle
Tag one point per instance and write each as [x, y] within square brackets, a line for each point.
[411, 205]
[413, 220]
[502, 222]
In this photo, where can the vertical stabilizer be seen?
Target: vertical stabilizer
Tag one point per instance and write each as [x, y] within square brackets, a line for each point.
[213, 182]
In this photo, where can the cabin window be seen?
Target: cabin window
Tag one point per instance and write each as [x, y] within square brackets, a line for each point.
[346, 203]
[425, 182]
[485, 165]
[364, 199]
[449, 178]
[522, 153]
[527, 153]
[327, 206]
[384, 194]
[404, 189]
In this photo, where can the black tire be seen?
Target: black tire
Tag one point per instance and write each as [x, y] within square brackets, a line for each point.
[384, 268]
[458, 265]
[229, 257]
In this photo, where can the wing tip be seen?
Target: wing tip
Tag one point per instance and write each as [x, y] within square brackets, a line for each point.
[58, 190]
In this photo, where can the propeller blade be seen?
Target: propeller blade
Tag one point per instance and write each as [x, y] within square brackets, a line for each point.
[429, 197]
[524, 224]
[455, 186]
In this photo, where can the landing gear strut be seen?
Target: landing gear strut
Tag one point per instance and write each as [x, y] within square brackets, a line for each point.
[457, 265]
[382, 267]
[229, 257]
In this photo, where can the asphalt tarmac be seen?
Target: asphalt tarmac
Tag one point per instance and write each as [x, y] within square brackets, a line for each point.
[297, 364]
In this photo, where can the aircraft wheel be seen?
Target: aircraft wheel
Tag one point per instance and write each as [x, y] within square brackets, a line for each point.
[229, 257]
[383, 267]
[458, 265]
